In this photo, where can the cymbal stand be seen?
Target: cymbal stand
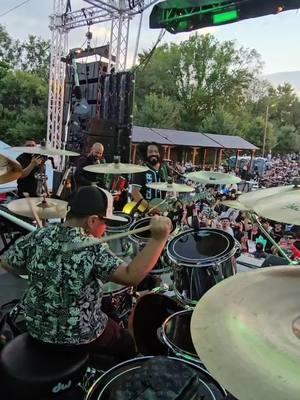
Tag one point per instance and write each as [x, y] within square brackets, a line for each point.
[269, 237]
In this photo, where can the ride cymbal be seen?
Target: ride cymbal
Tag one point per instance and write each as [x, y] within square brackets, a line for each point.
[10, 170]
[250, 199]
[115, 168]
[170, 187]
[48, 209]
[246, 331]
[213, 178]
[45, 151]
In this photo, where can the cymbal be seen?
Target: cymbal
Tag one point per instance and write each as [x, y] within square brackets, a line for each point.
[45, 151]
[282, 207]
[213, 178]
[250, 199]
[170, 187]
[10, 170]
[115, 168]
[52, 208]
[236, 204]
[246, 331]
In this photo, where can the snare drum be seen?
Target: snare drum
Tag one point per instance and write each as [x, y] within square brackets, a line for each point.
[116, 301]
[140, 240]
[122, 374]
[121, 247]
[201, 259]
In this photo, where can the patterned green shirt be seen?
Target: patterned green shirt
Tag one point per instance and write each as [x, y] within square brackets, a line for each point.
[63, 299]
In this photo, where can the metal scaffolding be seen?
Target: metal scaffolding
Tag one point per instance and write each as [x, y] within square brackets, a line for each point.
[119, 12]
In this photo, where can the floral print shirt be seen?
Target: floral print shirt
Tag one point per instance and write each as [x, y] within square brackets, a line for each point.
[63, 300]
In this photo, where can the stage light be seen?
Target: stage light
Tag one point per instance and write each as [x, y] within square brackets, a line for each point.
[225, 17]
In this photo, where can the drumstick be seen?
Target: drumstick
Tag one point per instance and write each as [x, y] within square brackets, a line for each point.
[93, 242]
[33, 210]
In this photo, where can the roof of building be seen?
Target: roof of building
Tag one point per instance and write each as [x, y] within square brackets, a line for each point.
[191, 139]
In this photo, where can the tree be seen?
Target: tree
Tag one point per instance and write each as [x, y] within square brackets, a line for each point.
[201, 74]
[36, 56]
[288, 140]
[255, 133]
[220, 122]
[157, 112]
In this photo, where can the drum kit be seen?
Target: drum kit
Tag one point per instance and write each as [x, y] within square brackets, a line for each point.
[242, 328]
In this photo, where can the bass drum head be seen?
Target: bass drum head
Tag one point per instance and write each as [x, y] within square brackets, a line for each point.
[103, 387]
[119, 226]
[202, 248]
[149, 313]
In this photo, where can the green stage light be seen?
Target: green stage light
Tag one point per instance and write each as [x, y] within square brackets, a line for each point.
[224, 17]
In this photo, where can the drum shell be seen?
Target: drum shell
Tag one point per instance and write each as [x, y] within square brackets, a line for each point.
[193, 277]
[100, 390]
[121, 247]
[176, 334]
[140, 240]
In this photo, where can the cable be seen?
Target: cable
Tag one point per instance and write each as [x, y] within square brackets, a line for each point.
[14, 8]
[145, 62]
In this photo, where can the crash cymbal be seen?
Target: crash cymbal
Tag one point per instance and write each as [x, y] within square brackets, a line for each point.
[115, 168]
[10, 170]
[213, 178]
[281, 207]
[50, 209]
[45, 151]
[246, 331]
[170, 187]
[236, 204]
[250, 199]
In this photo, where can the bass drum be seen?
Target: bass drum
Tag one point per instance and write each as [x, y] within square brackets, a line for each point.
[120, 247]
[149, 313]
[201, 259]
[140, 240]
[117, 301]
[103, 388]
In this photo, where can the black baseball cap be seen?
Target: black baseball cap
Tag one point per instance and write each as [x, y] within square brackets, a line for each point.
[93, 200]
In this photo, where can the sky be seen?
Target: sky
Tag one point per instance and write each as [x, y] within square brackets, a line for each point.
[276, 38]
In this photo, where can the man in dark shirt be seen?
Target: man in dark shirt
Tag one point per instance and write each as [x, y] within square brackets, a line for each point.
[30, 163]
[85, 178]
[157, 172]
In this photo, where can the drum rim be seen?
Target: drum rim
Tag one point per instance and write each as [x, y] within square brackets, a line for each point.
[171, 345]
[205, 262]
[121, 228]
[118, 291]
[136, 238]
[111, 370]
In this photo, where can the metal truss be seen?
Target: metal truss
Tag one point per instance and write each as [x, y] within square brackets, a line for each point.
[120, 13]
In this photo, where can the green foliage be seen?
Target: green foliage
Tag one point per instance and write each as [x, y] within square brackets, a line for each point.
[157, 112]
[221, 122]
[288, 139]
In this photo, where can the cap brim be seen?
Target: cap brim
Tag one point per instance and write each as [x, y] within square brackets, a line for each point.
[116, 218]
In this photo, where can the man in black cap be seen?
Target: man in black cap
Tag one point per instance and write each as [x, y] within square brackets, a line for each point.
[67, 268]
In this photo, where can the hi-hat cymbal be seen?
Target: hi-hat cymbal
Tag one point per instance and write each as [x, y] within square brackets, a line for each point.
[236, 204]
[45, 151]
[213, 178]
[246, 331]
[10, 170]
[282, 207]
[115, 168]
[170, 187]
[250, 199]
[50, 209]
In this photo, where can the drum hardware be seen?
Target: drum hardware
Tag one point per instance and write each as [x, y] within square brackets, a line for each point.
[10, 170]
[251, 336]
